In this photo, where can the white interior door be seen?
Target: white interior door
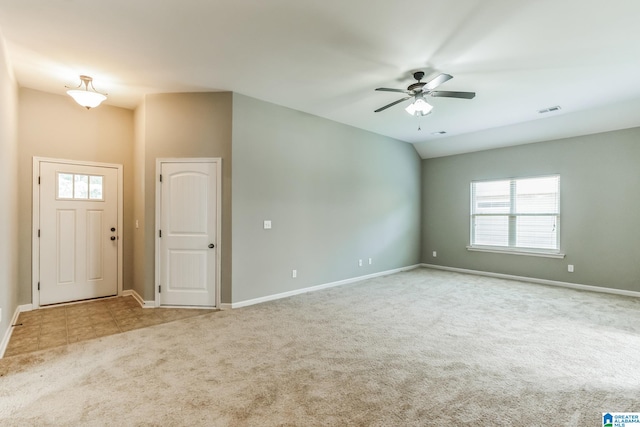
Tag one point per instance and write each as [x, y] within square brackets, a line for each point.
[188, 233]
[78, 232]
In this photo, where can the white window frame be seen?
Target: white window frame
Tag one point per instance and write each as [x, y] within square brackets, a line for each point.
[73, 197]
[511, 248]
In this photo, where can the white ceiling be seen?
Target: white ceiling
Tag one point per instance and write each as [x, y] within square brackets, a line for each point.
[327, 57]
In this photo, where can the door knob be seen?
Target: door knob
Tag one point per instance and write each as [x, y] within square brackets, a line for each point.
[113, 237]
[211, 246]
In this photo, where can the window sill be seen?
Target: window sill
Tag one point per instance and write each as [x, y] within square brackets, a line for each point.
[513, 251]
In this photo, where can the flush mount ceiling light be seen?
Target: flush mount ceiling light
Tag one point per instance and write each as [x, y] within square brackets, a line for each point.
[419, 107]
[88, 97]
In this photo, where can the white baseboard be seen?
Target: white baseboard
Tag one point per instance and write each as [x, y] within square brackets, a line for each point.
[137, 297]
[21, 308]
[152, 304]
[315, 288]
[578, 286]
[7, 336]
[225, 306]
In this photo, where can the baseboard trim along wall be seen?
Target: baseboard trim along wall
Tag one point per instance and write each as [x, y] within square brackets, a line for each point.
[578, 286]
[137, 297]
[315, 288]
[14, 320]
[152, 304]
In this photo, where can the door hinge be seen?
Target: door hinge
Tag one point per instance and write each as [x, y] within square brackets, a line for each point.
[159, 233]
[38, 180]
[160, 177]
[159, 289]
[38, 285]
[38, 232]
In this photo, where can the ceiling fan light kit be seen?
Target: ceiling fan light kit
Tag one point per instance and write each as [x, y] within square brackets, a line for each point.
[420, 107]
[86, 97]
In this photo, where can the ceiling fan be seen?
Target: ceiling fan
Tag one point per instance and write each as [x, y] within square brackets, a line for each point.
[419, 90]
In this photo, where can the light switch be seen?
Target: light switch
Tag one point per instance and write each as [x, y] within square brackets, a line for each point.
[267, 225]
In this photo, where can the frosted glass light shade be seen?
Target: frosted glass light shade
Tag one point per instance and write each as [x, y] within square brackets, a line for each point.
[87, 98]
[419, 107]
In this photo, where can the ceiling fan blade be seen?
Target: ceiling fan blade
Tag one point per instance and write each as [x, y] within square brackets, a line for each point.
[386, 89]
[392, 104]
[436, 81]
[449, 94]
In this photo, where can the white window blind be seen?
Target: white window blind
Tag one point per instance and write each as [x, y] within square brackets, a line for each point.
[521, 213]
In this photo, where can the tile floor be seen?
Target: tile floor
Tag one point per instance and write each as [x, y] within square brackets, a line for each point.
[62, 325]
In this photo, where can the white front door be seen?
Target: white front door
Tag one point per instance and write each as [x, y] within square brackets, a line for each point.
[188, 233]
[78, 232]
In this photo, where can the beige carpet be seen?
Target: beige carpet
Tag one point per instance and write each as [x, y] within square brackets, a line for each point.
[421, 348]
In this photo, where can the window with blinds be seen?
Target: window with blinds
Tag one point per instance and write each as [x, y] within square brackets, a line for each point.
[519, 213]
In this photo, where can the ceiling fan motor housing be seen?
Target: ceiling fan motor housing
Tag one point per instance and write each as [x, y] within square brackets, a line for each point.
[416, 87]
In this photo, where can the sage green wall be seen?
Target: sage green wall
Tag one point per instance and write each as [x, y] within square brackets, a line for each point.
[334, 194]
[600, 177]
[186, 125]
[8, 193]
[55, 126]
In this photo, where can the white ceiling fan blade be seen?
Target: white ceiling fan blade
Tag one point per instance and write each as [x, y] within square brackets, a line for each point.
[392, 104]
[450, 94]
[436, 81]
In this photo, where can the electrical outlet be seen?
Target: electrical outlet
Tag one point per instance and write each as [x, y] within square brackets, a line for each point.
[360, 262]
[435, 254]
[370, 261]
[267, 225]
[294, 273]
[570, 268]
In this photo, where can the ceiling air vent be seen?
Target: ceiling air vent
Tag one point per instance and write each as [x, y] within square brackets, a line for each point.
[441, 132]
[549, 110]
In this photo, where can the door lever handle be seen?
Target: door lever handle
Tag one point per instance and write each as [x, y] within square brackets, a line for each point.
[113, 237]
[211, 246]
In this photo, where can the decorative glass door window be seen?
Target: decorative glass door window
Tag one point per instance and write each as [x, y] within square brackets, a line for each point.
[72, 186]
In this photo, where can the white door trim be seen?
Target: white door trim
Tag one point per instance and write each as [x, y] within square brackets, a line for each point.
[35, 224]
[218, 162]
